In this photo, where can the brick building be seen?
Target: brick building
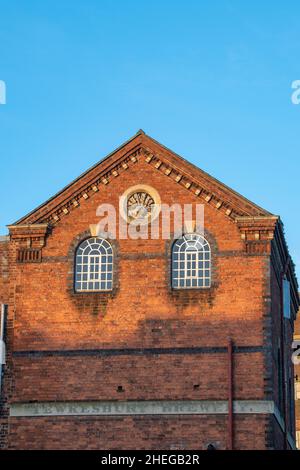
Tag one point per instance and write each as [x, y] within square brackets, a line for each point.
[147, 343]
[297, 384]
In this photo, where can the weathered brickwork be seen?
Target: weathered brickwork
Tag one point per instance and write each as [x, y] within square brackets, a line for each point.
[176, 377]
[194, 432]
[4, 276]
[144, 340]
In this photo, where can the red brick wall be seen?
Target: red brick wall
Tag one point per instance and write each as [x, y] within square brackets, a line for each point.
[194, 432]
[288, 369]
[4, 295]
[142, 312]
[3, 270]
[65, 320]
[177, 376]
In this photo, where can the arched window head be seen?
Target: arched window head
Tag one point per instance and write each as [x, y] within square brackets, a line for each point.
[191, 262]
[94, 265]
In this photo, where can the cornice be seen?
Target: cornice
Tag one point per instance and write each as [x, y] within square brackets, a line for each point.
[19, 232]
[257, 232]
[29, 239]
[257, 228]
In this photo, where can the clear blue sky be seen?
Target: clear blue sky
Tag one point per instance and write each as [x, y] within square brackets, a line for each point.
[209, 79]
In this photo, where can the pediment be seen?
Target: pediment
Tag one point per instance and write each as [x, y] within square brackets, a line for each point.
[171, 165]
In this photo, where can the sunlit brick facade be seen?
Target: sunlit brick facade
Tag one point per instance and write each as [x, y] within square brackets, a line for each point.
[144, 365]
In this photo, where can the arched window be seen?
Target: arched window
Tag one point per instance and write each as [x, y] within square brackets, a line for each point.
[94, 265]
[191, 262]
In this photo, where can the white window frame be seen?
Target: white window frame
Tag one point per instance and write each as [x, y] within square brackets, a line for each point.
[94, 266]
[191, 262]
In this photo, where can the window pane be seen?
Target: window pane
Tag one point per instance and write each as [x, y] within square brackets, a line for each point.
[193, 268]
[91, 260]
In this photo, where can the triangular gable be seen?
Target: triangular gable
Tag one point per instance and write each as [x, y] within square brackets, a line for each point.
[200, 183]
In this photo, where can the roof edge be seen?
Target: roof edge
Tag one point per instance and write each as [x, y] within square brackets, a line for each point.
[17, 222]
[171, 157]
